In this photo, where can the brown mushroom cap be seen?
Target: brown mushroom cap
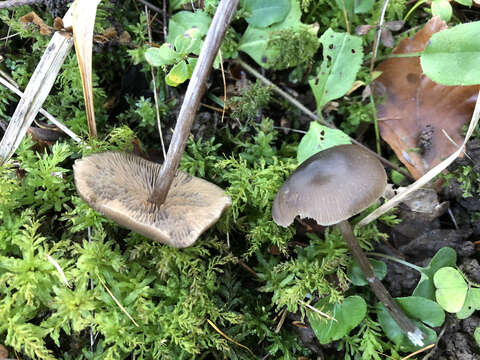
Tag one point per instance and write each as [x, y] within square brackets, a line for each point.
[119, 184]
[330, 186]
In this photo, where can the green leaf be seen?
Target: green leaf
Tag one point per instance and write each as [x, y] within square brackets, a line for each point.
[255, 40]
[356, 276]
[363, 6]
[347, 316]
[319, 138]
[342, 57]
[444, 257]
[185, 20]
[425, 310]
[267, 12]
[456, 48]
[395, 334]
[472, 303]
[178, 74]
[451, 289]
[164, 55]
[476, 335]
[465, 2]
[442, 8]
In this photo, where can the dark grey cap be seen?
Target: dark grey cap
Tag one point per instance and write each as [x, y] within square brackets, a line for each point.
[119, 185]
[330, 186]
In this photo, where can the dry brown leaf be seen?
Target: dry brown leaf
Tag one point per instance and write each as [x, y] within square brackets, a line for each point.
[84, 12]
[416, 111]
[58, 24]
[3, 353]
[33, 18]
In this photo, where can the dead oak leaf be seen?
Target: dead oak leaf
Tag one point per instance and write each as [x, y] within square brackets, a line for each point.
[33, 18]
[414, 112]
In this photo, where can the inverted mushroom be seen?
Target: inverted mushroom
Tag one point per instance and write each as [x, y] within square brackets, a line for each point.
[119, 186]
[330, 187]
[158, 201]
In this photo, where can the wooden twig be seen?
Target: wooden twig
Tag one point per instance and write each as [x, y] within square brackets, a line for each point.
[42, 111]
[378, 34]
[154, 83]
[195, 90]
[315, 117]
[37, 90]
[153, 7]
[15, 3]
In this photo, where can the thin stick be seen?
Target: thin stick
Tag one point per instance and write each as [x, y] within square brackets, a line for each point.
[224, 85]
[315, 117]
[379, 33]
[418, 351]
[153, 7]
[210, 322]
[375, 123]
[195, 91]
[59, 269]
[116, 301]
[15, 3]
[325, 315]
[164, 14]
[155, 96]
[413, 333]
[345, 15]
[42, 111]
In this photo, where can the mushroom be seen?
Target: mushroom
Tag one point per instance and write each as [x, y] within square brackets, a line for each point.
[330, 187]
[161, 202]
[119, 186]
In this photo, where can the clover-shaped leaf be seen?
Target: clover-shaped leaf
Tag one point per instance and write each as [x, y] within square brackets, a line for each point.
[451, 289]
[444, 257]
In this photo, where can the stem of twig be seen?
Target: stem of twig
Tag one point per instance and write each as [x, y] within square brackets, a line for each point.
[315, 117]
[195, 91]
[153, 7]
[345, 15]
[379, 33]
[375, 125]
[413, 333]
[14, 87]
[155, 95]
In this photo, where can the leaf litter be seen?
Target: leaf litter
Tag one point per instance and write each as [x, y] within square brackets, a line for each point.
[421, 120]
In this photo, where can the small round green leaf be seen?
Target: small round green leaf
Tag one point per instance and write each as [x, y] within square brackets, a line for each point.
[442, 8]
[178, 74]
[164, 55]
[457, 48]
[451, 289]
[347, 316]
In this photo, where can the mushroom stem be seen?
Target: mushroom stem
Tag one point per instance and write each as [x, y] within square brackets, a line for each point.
[195, 90]
[413, 332]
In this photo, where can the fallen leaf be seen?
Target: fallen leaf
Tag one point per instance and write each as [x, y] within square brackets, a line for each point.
[415, 112]
[58, 24]
[84, 12]
[33, 18]
[3, 353]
